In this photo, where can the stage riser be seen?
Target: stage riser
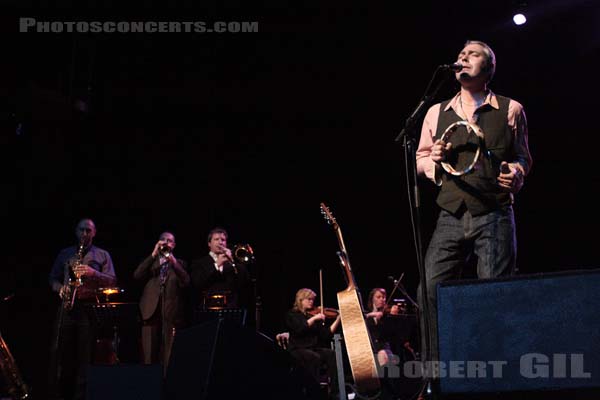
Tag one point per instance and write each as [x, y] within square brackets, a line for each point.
[124, 382]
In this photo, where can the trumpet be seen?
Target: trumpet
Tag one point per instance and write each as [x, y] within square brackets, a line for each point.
[165, 250]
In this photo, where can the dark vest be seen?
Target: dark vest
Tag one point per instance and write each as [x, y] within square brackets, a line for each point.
[477, 190]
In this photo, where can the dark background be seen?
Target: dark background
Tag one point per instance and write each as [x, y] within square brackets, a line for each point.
[251, 131]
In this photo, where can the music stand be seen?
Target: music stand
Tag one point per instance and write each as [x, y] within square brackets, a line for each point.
[236, 315]
[399, 329]
[113, 317]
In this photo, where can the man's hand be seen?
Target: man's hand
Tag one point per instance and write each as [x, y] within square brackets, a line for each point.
[157, 247]
[171, 259]
[64, 291]
[222, 259]
[84, 270]
[224, 256]
[439, 150]
[510, 178]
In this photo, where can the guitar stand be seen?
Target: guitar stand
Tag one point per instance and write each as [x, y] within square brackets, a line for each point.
[362, 397]
[339, 359]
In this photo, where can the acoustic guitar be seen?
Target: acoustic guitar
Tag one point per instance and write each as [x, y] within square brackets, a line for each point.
[356, 334]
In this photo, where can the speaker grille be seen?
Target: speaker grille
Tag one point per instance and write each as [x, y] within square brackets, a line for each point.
[535, 332]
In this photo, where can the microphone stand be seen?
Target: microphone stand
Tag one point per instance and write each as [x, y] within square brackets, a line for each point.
[257, 299]
[400, 286]
[257, 304]
[408, 137]
[256, 294]
[163, 326]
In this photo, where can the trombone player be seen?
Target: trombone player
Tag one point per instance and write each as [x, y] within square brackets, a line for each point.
[218, 278]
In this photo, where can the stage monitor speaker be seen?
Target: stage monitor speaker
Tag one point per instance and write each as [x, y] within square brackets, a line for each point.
[220, 359]
[531, 333]
[124, 382]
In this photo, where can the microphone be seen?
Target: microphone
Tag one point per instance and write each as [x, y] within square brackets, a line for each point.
[391, 278]
[452, 67]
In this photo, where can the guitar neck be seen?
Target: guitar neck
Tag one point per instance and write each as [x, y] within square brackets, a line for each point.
[340, 239]
[345, 260]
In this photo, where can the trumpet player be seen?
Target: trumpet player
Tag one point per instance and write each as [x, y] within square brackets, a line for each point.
[476, 216]
[217, 278]
[93, 268]
[162, 301]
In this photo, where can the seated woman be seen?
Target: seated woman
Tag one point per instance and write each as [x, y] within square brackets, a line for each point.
[375, 322]
[309, 341]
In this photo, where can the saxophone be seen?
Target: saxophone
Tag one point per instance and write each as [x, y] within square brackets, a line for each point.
[17, 389]
[72, 282]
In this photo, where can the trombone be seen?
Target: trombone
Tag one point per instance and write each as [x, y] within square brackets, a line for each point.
[243, 253]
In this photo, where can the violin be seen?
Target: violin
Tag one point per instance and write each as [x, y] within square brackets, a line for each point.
[330, 313]
[393, 309]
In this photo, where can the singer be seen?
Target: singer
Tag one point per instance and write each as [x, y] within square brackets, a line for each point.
[476, 216]
[161, 304]
[218, 281]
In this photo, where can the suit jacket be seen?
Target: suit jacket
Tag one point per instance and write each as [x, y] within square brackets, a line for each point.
[206, 279]
[149, 270]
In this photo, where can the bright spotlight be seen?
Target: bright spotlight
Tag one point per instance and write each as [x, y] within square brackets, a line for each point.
[519, 19]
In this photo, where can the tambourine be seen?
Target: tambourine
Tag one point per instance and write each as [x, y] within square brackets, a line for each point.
[446, 135]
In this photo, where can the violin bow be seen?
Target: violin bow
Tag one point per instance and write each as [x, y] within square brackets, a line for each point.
[321, 291]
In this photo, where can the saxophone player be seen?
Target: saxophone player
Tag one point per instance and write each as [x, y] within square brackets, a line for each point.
[91, 267]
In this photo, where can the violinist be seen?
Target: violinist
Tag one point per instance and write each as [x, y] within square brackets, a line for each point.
[309, 342]
[375, 320]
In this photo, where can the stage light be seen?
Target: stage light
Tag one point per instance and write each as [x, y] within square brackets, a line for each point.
[519, 8]
[519, 19]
